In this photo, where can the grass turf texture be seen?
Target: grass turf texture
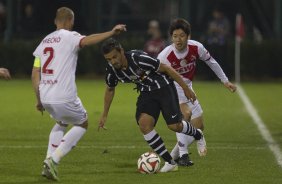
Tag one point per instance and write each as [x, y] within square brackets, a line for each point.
[236, 151]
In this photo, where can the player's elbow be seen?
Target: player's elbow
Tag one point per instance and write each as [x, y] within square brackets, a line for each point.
[82, 43]
[86, 41]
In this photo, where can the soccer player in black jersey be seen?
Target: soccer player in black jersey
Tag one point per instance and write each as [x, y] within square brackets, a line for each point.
[154, 80]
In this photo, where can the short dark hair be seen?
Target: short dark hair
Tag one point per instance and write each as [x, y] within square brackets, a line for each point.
[180, 24]
[109, 45]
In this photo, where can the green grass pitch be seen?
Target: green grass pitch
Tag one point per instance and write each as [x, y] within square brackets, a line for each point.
[236, 151]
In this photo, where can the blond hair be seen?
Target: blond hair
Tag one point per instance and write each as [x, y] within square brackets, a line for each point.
[64, 14]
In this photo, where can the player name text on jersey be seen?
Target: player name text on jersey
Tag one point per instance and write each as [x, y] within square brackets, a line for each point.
[52, 40]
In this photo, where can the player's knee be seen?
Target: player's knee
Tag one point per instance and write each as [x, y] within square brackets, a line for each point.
[186, 112]
[202, 127]
[146, 123]
[175, 127]
[145, 128]
[187, 115]
[198, 122]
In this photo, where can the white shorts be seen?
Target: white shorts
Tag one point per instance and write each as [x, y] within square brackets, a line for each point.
[196, 108]
[67, 113]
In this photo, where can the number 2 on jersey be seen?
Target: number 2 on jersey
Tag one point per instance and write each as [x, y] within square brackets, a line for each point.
[45, 69]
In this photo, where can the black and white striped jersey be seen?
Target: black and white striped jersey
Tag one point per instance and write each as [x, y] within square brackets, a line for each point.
[141, 70]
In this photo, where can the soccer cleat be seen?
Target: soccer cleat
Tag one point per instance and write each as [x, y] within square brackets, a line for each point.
[50, 169]
[201, 145]
[169, 167]
[184, 161]
[44, 172]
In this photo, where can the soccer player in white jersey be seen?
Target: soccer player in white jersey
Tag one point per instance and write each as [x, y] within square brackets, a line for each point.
[182, 55]
[4, 72]
[53, 78]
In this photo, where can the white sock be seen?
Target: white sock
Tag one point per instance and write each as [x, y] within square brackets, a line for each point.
[185, 127]
[190, 140]
[183, 142]
[68, 142]
[55, 138]
[175, 152]
[150, 135]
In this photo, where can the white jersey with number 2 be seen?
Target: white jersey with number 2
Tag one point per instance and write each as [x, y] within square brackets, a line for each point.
[58, 54]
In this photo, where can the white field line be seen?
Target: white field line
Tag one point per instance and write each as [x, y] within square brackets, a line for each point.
[273, 146]
[3, 147]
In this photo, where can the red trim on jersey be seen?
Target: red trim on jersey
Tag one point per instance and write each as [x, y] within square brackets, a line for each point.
[187, 65]
[207, 53]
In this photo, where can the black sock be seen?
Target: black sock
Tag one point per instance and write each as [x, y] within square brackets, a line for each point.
[157, 144]
[188, 129]
[198, 135]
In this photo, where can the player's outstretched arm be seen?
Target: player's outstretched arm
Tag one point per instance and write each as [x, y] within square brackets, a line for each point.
[175, 76]
[96, 38]
[216, 68]
[5, 73]
[108, 98]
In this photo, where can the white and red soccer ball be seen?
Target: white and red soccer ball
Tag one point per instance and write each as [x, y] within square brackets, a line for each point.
[148, 163]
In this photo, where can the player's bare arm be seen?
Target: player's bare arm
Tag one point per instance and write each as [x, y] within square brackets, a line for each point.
[96, 38]
[35, 77]
[232, 87]
[175, 76]
[5, 73]
[108, 98]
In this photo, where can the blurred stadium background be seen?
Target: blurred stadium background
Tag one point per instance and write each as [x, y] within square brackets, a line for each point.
[23, 23]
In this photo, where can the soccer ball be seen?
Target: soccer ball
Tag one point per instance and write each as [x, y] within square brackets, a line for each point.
[148, 163]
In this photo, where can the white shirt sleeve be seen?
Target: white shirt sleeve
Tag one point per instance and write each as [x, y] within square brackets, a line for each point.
[205, 56]
[36, 53]
[162, 57]
[217, 69]
[75, 39]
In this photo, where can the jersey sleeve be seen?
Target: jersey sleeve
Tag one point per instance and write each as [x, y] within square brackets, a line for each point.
[75, 39]
[37, 51]
[204, 54]
[217, 69]
[146, 62]
[110, 78]
[162, 57]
